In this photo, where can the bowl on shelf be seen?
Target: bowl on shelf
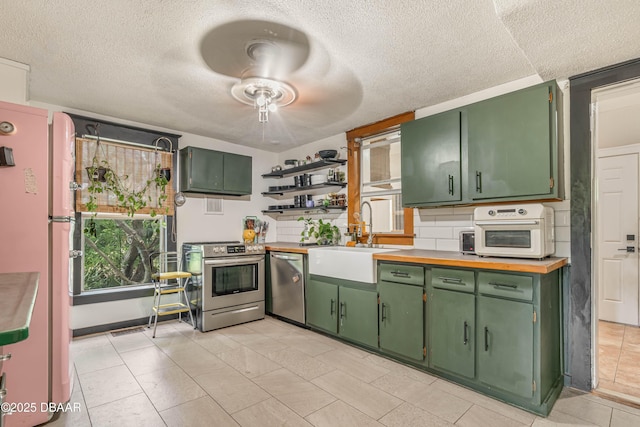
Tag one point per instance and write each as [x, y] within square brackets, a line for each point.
[328, 154]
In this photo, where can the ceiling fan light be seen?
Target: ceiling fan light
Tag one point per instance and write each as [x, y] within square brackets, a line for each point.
[267, 95]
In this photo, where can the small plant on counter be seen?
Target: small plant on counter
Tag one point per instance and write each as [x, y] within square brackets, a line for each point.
[323, 232]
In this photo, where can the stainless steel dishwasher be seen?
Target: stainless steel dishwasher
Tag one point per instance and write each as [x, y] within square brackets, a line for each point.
[287, 285]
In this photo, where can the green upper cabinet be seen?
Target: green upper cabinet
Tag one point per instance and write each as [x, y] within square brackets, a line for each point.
[503, 148]
[431, 172]
[214, 172]
[237, 173]
[512, 145]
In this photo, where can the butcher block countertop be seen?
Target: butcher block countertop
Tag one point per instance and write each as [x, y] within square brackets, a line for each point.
[18, 292]
[456, 259]
[447, 259]
[287, 247]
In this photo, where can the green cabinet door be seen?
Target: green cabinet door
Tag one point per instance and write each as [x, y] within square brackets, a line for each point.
[201, 170]
[431, 160]
[401, 319]
[358, 315]
[510, 141]
[505, 345]
[322, 305]
[237, 174]
[452, 332]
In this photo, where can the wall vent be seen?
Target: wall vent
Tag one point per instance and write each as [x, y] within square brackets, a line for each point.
[213, 206]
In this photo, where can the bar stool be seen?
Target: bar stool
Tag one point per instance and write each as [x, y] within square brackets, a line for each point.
[169, 270]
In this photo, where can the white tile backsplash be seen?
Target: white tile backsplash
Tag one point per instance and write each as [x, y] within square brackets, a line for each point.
[438, 228]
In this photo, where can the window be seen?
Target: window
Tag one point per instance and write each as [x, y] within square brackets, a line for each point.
[374, 176]
[380, 183]
[119, 250]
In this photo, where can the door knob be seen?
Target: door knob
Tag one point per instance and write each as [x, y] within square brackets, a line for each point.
[629, 249]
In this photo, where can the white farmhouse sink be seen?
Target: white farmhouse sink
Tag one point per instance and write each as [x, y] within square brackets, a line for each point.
[348, 263]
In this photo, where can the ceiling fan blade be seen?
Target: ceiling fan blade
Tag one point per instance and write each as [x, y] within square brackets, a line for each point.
[271, 49]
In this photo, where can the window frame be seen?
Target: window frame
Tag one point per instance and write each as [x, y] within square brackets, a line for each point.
[80, 297]
[353, 178]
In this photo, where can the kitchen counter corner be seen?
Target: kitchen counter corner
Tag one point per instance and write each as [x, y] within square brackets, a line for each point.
[18, 292]
[456, 259]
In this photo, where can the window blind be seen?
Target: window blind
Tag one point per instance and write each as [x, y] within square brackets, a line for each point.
[133, 165]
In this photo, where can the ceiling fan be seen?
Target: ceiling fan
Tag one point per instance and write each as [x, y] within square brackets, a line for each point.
[262, 55]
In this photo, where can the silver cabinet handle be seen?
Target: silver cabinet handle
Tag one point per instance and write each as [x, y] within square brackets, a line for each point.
[400, 274]
[4, 357]
[454, 280]
[503, 285]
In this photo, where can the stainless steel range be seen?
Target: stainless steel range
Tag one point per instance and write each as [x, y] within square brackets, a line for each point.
[228, 282]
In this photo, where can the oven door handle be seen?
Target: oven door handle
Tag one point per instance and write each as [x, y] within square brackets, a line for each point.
[509, 222]
[234, 260]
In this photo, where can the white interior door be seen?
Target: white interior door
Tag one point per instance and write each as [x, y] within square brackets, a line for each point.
[617, 238]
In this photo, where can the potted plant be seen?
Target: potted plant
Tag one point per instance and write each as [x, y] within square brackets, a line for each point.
[323, 232]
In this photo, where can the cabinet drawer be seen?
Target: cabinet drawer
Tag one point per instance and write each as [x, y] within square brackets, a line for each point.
[455, 280]
[506, 285]
[399, 273]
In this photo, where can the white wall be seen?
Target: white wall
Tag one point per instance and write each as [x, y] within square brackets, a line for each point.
[14, 78]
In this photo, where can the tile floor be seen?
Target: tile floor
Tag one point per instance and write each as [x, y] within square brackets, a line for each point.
[619, 358]
[271, 373]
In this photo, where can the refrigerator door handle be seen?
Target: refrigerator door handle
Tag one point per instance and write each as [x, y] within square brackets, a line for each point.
[61, 219]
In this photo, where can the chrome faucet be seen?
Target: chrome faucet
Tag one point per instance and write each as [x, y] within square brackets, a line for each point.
[370, 238]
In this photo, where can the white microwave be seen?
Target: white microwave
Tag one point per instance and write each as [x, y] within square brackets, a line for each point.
[518, 231]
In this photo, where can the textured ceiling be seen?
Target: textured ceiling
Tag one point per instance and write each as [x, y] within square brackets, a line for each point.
[151, 61]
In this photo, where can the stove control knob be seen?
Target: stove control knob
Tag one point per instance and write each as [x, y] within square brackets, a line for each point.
[260, 248]
[522, 211]
[251, 248]
[491, 212]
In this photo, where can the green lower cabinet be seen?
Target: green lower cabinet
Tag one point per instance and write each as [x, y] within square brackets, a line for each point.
[401, 319]
[358, 316]
[452, 332]
[505, 345]
[348, 309]
[322, 305]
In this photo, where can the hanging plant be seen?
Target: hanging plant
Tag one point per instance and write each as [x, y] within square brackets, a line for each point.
[103, 179]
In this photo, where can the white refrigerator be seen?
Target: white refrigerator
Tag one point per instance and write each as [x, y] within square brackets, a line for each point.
[36, 218]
